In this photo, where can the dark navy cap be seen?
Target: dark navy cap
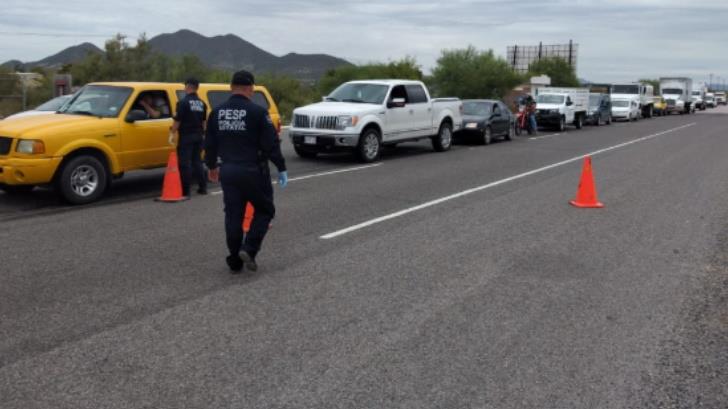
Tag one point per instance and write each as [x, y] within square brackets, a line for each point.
[193, 82]
[243, 78]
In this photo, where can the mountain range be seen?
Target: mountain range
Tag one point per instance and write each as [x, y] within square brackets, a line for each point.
[228, 52]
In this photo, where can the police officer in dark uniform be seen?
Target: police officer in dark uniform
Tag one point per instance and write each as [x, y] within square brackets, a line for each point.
[241, 136]
[190, 123]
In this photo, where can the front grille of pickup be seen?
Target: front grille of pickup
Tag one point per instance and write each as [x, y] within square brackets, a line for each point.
[301, 121]
[326, 122]
[5, 145]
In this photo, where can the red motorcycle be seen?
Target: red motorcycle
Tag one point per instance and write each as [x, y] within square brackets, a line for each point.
[522, 122]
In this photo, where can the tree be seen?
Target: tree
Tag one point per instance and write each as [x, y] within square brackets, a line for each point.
[654, 82]
[406, 68]
[287, 92]
[470, 73]
[558, 69]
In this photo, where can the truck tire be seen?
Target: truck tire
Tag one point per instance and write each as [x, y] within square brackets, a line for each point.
[487, 136]
[83, 179]
[443, 140]
[17, 189]
[370, 146]
[562, 124]
[578, 122]
[306, 154]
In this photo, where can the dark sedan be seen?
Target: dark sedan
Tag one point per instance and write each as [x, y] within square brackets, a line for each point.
[487, 119]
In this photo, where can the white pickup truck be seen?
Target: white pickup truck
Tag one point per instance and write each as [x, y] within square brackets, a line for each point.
[558, 107]
[362, 116]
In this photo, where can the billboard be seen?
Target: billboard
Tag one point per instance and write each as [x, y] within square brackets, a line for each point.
[520, 57]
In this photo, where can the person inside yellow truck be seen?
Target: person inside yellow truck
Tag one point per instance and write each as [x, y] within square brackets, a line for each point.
[155, 106]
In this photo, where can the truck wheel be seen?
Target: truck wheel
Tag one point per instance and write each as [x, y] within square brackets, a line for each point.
[562, 124]
[487, 136]
[17, 189]
[578, 122]
[609, 119]
[370, 146]
[443, 140]
[305, 153]
[82, 180]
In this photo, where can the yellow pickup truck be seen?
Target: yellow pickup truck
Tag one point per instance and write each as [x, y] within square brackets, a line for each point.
[97, 136]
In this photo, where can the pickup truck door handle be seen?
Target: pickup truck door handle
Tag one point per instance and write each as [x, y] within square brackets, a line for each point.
[109, 135]
[429, 109]
[412, 111]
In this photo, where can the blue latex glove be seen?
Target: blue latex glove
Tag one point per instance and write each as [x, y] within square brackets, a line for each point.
[283, 179]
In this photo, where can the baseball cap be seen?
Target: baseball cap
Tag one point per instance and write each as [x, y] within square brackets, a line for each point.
[243, 78]
[193, 82]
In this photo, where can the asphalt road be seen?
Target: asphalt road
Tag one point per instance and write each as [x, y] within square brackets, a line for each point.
[453, 280]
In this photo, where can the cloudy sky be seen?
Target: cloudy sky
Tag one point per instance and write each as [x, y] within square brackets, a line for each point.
[619, 39]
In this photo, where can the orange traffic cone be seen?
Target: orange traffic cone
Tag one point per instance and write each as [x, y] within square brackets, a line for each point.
[248, 219]
[586, 194]
[172, 188]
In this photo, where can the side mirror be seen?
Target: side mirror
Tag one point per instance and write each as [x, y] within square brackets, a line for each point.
[396, 103]
[569, 103]
[135, 115]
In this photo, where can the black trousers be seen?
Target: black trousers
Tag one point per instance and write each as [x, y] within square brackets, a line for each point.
[242, 184]
[189, 155]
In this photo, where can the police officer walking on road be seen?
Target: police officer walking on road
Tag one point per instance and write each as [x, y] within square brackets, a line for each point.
[190, 124]
[240, 134]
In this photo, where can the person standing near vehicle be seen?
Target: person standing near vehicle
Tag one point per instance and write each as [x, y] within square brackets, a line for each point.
[190, 124]
[240, 135]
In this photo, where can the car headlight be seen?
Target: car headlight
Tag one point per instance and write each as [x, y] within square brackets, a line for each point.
[346, 121]
[30, 147]
[471, 125]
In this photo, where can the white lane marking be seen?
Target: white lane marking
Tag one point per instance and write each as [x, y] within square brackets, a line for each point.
[535, 138]
[316, 175]
[492, 184]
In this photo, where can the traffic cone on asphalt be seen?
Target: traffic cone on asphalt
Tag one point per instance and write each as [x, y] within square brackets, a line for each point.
[172, 188]
[586, 194]
[248, 218]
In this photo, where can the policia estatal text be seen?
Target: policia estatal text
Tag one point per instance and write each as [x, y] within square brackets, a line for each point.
[240, 135]
[189, 122]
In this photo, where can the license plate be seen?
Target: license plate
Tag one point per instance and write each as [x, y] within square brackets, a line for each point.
[309, 140]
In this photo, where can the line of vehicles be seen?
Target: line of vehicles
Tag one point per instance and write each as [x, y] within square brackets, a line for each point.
[102, 131]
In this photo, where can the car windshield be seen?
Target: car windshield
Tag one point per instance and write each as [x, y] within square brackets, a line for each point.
[360, 93]
[98, 100]
[620, 103]
[477, 108]
[54, 104]
[594, 100]
[626, 89]
[550, 99]
[672, 91]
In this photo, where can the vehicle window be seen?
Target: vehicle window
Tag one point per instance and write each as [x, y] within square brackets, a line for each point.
[360, 93]
[626, 89]
[217, 98]
[476, 108]
[595, 100]
[550, 99]
[568, 100]
[399, 92]
[54, 104]
[416, 94]
[98, 100]
[496, 109]
[620, 103]
[260, 99]
[180, 95]
[154, 103]
[504, 109]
